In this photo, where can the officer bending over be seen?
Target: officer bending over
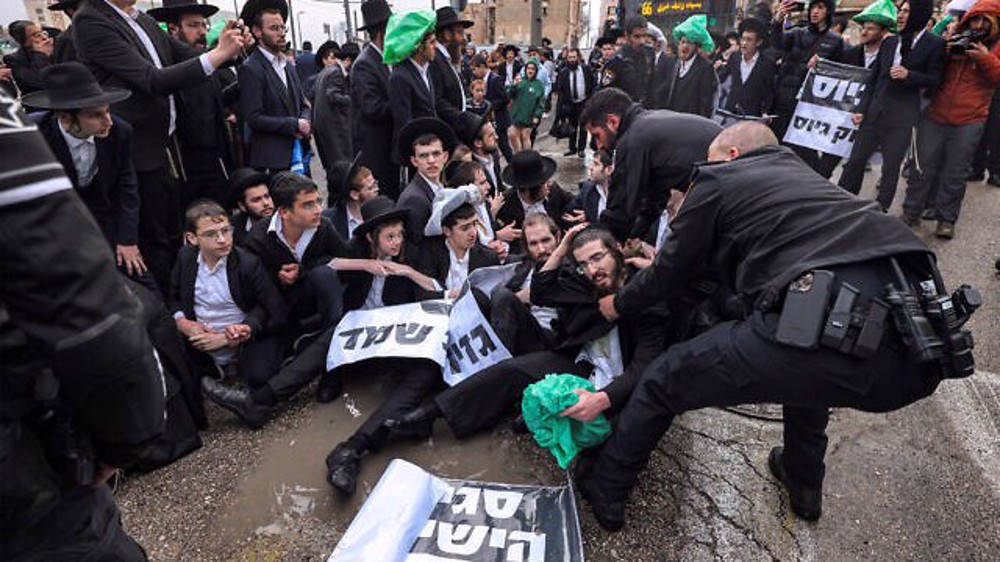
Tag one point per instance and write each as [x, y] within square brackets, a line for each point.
[791, 244]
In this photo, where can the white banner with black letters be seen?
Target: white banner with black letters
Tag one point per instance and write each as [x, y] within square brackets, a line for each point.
[455, 335]
[829, 97]
[414, 516]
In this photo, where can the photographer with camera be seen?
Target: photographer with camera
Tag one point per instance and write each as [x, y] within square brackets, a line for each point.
[954, 122]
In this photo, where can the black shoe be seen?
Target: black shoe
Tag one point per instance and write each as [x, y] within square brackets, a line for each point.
[807, 503]
[976, 175]
[610, 514]
[581, 154]
[329, 388]
[994, 180]
[571, 152]
[416, 424]
[928, 215]
[342, 467]
[237, 401]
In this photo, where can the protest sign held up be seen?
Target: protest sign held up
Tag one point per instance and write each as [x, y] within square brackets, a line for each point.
[830, 96]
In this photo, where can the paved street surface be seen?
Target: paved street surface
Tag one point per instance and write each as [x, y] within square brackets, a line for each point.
[919, 484]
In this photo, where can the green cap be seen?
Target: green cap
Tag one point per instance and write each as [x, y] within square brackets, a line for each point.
[882, 12]
[404, 32]
[695, 29]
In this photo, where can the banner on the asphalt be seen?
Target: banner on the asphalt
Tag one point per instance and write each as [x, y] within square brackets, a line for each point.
[455, 335]
[414, 516]
[829, 97]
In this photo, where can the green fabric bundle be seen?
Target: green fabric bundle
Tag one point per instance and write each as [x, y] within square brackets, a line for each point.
[564, 437]
[941, 25]
[404, 32]
[695, 29]
[882, 12]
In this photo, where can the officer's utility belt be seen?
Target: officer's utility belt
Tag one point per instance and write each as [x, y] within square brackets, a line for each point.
[929, 321]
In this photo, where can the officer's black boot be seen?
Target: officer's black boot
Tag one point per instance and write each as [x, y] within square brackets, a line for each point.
[417, 423]
[329, 388]
[807, 503]
[237, 401]
[342, 467]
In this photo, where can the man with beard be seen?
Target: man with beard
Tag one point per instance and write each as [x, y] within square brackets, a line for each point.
[585, 265]
[252, 199]
[631, 68]
[496, 95]
[655, 151]
[479, 134]
[891, 104]
[446, 66]
[371, 118]
[201, 127]
[575, 84]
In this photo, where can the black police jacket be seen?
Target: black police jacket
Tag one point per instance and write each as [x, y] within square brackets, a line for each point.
[762, 220]
[797, 46]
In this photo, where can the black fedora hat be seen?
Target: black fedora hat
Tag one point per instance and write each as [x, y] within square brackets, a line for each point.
[421, 126]
[448, 16]
[328, 46]
[254, 7]
[64, 5]
[172, 9]
[71, 85]
[377, 211]
[528, 168]
[374, 12]
[467, 127]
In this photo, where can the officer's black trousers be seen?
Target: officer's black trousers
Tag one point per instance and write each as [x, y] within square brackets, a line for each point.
[740, 363]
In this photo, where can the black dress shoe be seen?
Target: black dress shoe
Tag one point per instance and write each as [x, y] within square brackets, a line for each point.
[237, 401]
[342, 467]
[807, 503]
[580, 154]
[329, 388]
[415, 424]
[610, 514]
[569, 153]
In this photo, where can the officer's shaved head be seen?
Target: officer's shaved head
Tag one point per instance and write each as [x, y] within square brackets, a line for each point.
[741, 138]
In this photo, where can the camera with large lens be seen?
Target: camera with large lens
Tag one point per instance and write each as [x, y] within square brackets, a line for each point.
[962, 42]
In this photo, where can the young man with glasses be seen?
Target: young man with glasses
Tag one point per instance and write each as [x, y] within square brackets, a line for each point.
[224, 304]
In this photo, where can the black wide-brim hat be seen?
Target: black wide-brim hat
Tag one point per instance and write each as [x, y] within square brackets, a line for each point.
[352, 170]
[448, 16]
[69, 86]
[64, 5]
[528, 168]
[254, 7]
[377, 211]
[424, 126]
[173, 9]
[374, 12]
[467, 127]
[349, 49]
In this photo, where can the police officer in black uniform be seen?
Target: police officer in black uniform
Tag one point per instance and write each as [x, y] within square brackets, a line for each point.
[80, 391]
[632, 67]
[792, 245]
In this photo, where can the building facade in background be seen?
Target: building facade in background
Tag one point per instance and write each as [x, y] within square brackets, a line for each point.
[509, 21]
[38, 11]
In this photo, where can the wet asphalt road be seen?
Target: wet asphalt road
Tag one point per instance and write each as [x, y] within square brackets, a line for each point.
[922, 483]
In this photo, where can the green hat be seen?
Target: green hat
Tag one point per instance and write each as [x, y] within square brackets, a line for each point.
[404, 32]
[882, 12]
[695, 29]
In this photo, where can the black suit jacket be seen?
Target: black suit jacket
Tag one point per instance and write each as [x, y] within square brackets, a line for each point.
[501, 71]
[588, 199]
[117, 57]
[409, 97]
[695, 92]
[271, 112]
[241, 233]
[252, 291]
[896, 103]
[448, 90]
[512, 211]
[371, 119]
[660, 81]
[418, 199]
[496, 186]
[113, 195]
[496, 94]
[397, 289]
[756, 95]
[27, 65]
[325, 245]
[564, 88]
[64, 49]
[434, 261]
[337, 215]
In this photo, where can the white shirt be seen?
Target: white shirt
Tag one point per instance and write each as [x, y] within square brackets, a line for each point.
[602, 198]
[352, 222]
[444, 52]
[422, 70]
[487, 162]
[544, 315]
[278, 63]
[662, 230]
[130, 19]
[532, 208]
[435, 187]
[374, 298]
[577, 84]
[898, 58]
[84, 154]
[458, 271]
[870, 57]
[746, 67]
[509, 78]
[685, 65]
[214, 305]
[485, 227]
[299, 250]
[605, 354]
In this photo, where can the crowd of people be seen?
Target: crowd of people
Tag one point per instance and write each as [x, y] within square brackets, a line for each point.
[193, 156]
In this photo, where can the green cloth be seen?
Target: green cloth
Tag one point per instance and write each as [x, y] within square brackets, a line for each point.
[882, 12]
[404, 32]
[527, 98]
[695, 29]
[563, 436]
[939, 26]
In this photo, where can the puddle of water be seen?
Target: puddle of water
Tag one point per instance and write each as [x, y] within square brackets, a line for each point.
[290, 481]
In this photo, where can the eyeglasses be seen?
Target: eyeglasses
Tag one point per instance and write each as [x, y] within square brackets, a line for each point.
[196, 24]
[223, 233]
[277, 27]
[592, 261]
